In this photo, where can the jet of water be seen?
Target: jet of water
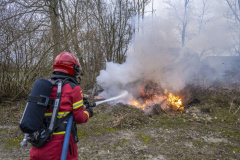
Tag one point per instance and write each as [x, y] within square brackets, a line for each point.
[113, 98]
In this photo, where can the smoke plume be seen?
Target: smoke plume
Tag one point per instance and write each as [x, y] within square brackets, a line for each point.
[154, 55]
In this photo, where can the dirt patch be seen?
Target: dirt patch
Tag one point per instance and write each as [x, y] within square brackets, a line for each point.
[206, 130]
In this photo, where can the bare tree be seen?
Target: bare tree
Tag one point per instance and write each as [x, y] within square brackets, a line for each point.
[234, 22]
[183, 15]
[185, 22]
[25, 47]
[33, 32]
[203, 17]
[139, 11]
[55, 25]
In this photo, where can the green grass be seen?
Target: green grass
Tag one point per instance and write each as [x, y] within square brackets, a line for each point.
[145, 138]
[11, 143]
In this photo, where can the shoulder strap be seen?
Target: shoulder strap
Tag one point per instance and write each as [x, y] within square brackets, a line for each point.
[55, 122]
[56, 106]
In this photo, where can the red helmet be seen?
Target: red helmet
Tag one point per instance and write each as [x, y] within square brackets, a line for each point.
[66, 63]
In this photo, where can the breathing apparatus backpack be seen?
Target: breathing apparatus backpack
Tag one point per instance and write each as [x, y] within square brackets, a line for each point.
[33, 117]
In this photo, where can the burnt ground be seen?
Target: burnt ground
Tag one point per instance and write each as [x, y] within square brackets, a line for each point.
[206, 130]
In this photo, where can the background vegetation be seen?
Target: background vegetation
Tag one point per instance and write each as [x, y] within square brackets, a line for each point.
[33, 32]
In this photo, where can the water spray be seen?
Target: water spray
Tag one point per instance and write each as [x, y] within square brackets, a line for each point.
[93, 104]
[113, 98]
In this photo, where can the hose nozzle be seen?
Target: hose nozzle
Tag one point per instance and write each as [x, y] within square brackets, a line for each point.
[24, 142]
[92, 104]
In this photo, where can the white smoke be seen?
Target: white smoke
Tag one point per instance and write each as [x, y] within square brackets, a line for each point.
[155, 55]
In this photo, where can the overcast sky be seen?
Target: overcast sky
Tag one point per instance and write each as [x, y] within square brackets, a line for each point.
[161, 8]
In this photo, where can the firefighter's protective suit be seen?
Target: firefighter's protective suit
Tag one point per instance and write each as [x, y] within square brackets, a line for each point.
[71, 101]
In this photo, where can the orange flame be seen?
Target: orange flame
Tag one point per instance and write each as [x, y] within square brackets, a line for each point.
[174, 102]
[137, 104]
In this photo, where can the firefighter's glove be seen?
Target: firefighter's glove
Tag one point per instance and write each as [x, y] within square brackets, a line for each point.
[90, 110]
[85, 101]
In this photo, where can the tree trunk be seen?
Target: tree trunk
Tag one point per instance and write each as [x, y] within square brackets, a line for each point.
[184, 29]
[55, 25]
[239, 4]
[65, 39]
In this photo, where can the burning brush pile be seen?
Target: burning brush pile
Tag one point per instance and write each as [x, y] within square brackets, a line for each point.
[151, 94]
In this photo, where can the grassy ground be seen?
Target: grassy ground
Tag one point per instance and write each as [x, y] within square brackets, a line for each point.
[207, 130]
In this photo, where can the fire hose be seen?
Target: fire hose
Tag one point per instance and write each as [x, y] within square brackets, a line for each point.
[68, 132]
[66, 138]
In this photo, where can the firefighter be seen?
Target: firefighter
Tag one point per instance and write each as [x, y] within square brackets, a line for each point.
[65, 66]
